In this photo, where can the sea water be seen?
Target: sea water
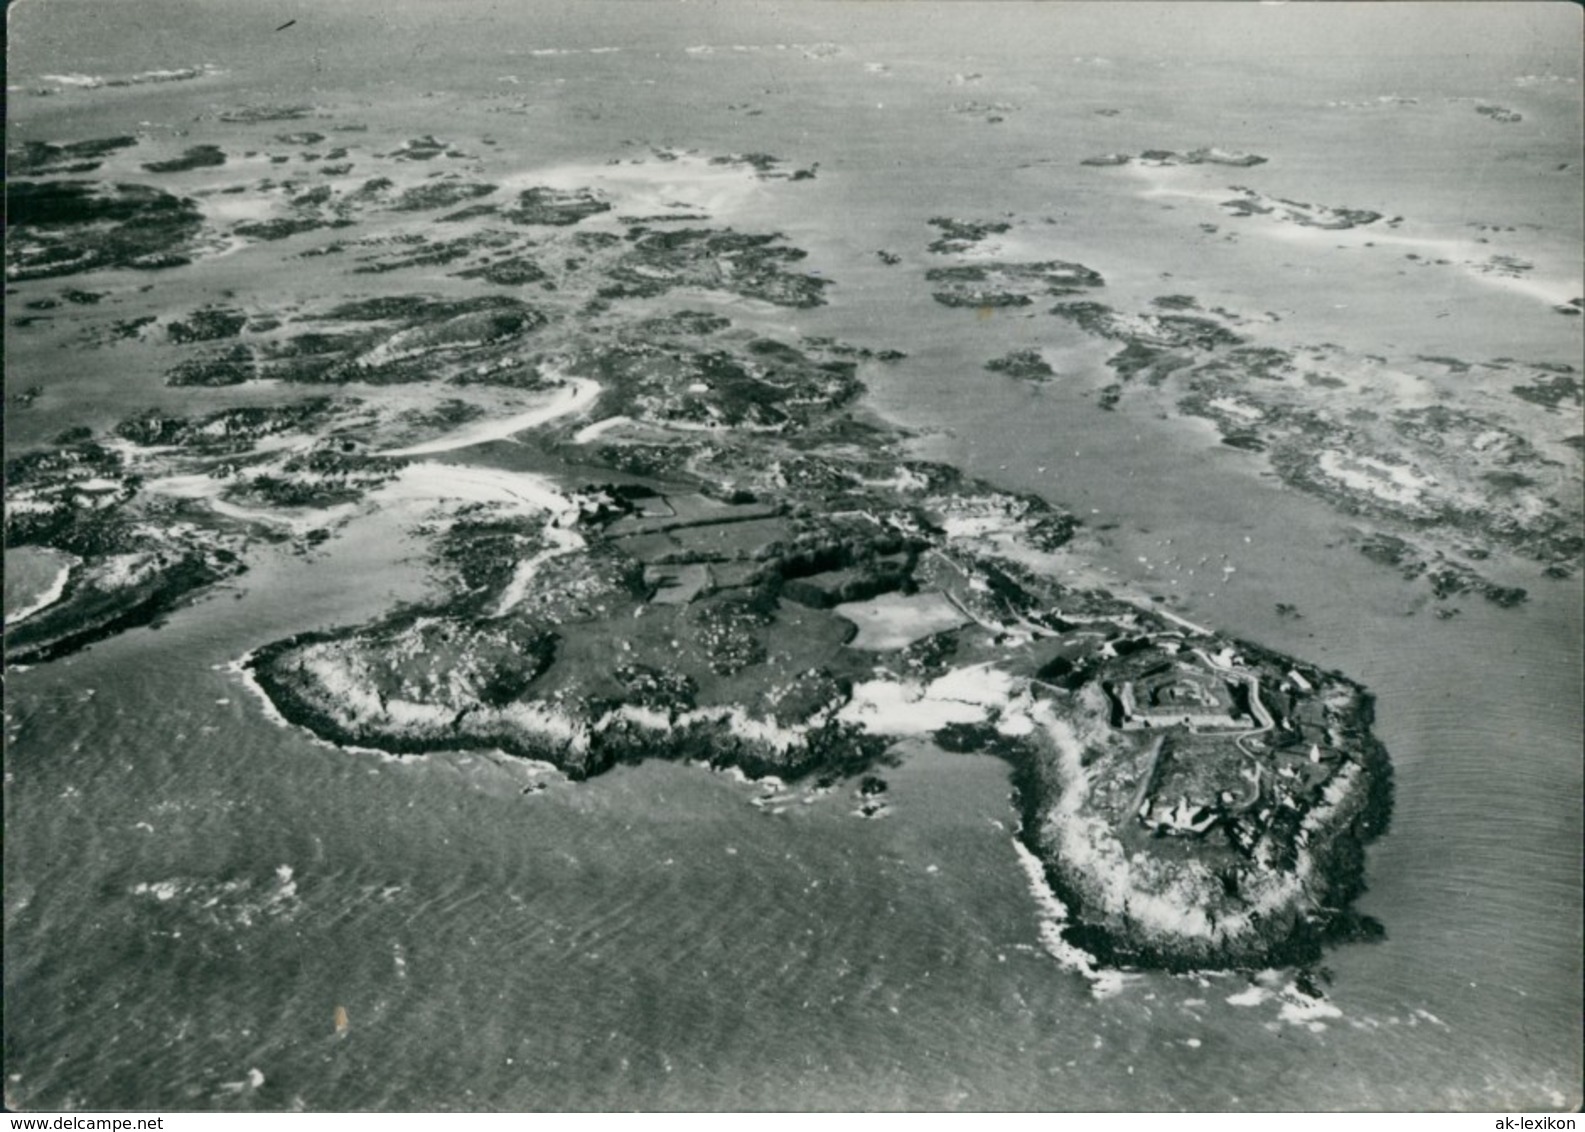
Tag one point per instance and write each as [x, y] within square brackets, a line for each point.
[205, 909]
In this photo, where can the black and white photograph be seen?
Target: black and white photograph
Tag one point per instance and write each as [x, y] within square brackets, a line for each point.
[793, 555]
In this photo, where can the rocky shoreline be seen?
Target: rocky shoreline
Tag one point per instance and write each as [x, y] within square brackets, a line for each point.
[1295, 932]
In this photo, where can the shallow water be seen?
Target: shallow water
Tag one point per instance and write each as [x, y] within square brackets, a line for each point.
[32, 575]
[192, 891]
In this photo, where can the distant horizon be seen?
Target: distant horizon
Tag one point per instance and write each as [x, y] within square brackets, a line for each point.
[1534, 33]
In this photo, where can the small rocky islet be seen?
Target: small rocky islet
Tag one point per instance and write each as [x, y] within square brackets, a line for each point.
[724, 558]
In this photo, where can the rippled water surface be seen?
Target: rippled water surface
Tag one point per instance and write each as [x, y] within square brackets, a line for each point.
[193, 893]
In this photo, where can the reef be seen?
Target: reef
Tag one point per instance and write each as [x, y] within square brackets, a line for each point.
[1008, 284]
[767, 167]
[1553, 390]
[38, 159]
[1025, 365]
[396, 339]
[1205, 156]
[552, 206]
[128, 571]
[440, 194]
[66, 227]
[426, 148]
[961, 235]
[1498, 113]
[196, 157]
[990, 112]
[265, 113]
[206, 324]
[1453, 485]
[753, 265]
[1248, 202]
[1435, 471]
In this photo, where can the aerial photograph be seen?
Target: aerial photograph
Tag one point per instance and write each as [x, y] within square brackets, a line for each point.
[794, 555]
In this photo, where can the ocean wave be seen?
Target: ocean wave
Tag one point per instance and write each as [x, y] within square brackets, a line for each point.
[80, 81]
[227, 905]
[1296, 1005]
[1104, 982]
